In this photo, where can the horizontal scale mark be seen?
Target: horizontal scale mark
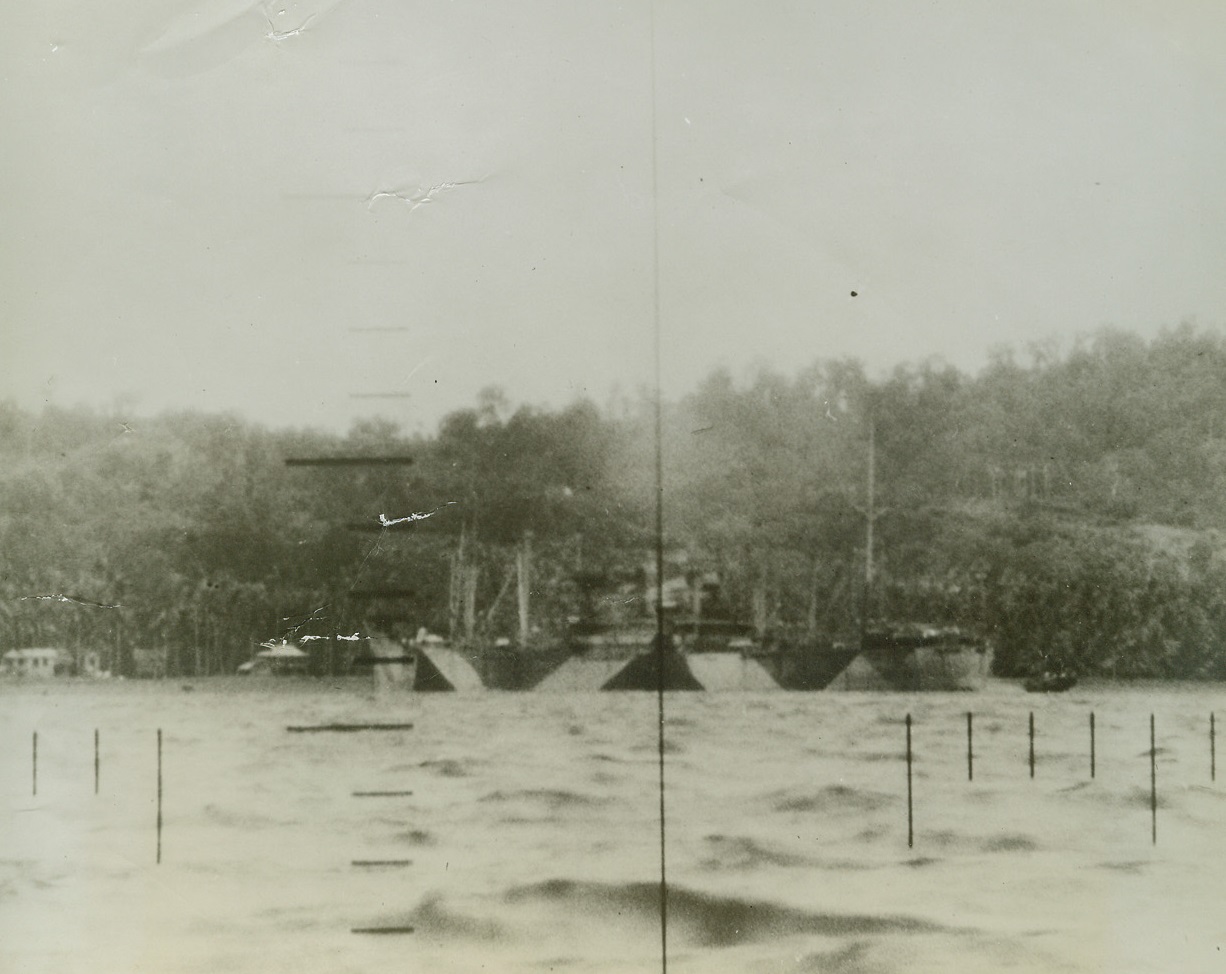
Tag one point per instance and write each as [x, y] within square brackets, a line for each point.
[375, 461]
[342, 728]
[382, 862]
[383, 930]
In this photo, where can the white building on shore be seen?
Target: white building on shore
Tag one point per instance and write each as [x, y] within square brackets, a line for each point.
[38, 662]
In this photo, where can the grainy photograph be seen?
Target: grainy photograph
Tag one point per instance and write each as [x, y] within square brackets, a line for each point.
[612, 487]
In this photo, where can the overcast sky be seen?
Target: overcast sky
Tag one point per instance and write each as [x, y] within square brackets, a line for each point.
[205, 203]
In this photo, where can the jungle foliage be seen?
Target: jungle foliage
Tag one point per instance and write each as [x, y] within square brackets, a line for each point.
[1066, 504]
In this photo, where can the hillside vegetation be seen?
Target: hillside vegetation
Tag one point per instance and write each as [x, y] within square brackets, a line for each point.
[1064, 504]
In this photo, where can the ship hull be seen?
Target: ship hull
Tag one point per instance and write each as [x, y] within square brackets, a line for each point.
[921, 668]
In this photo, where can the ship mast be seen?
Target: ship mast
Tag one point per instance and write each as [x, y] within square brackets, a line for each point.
[523, 574]
[870, 518]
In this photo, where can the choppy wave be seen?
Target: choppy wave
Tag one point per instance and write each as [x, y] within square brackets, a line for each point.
[449, 767]
[1009, 843]
[742, 852]
[417, 838]
[833, 798]
[554, 799]
[707, 920]
[433, 918]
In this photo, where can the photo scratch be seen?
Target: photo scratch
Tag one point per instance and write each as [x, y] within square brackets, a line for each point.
[388, 522]
[420, 196]
[60, 597]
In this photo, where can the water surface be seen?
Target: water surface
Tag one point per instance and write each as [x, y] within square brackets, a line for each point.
[532, 839]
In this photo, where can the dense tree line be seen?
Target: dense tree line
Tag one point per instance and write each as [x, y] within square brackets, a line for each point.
[1065, 504]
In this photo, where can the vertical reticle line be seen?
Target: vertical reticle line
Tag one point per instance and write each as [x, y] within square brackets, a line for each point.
[659, 471]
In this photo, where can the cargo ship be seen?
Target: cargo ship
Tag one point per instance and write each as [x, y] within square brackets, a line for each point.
[698, 654]
[908, 655]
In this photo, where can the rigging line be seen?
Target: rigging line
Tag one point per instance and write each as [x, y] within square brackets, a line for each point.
[659, 472]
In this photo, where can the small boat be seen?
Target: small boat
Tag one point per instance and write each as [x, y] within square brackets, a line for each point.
[1050, 682]
[278, 658]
